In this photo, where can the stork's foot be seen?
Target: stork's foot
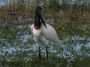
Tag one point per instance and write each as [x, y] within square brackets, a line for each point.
[46, 52]
[39, 55]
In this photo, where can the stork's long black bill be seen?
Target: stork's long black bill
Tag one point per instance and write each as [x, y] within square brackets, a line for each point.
[42, 20]
[44, 24]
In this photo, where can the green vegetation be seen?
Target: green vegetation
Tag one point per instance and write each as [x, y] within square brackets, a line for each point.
[51, 62]
[66, 30]
[68, 20]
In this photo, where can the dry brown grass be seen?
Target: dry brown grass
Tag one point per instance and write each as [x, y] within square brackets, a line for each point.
[76, 15]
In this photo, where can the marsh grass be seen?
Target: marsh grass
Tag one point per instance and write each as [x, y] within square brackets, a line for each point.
[72, 29]
[69, 21]
[51, 62]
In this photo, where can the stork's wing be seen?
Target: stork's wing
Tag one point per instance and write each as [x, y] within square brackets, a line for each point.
[50, 33]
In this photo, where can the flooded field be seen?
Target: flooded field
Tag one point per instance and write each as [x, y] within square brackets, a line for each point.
[17, 49]
[71, 20]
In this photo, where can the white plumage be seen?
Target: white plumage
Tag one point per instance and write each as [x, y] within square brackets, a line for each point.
[45, 34]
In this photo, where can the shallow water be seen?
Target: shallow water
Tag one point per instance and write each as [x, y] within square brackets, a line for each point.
[17, 48]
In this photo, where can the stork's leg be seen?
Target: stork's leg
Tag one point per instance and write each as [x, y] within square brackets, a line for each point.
[46, 51]
[39, 54]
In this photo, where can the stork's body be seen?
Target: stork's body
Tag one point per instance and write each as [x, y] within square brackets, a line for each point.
[43, 32]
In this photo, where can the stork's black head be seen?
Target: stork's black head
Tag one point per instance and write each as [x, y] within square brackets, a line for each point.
[38, 10]
[38, 16]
